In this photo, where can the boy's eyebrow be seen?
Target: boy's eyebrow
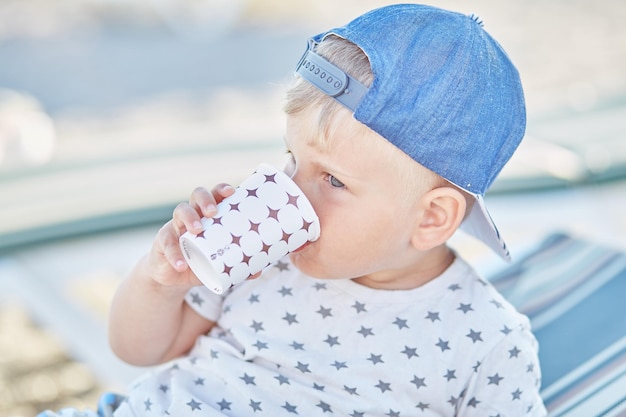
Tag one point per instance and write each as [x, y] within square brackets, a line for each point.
[328, 166]
[339, 172]
[324, 165]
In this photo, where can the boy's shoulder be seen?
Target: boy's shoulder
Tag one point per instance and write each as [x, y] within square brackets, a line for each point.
[459, 293]
[479, 301]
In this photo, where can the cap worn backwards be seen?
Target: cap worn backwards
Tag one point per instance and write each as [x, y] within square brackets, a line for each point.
[444, 92]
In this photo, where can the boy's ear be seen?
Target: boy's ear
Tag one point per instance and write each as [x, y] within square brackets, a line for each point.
[442, 211]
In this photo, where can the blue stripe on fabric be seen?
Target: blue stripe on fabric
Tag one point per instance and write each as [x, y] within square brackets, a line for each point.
[597, 371]
[586, 329]
[593, 273]
[509, 276]
[554, 283]
[606, 408]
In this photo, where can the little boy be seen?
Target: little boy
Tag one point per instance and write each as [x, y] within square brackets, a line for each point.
[396, 126]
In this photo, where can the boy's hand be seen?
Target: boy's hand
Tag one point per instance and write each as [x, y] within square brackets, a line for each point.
[166, 261]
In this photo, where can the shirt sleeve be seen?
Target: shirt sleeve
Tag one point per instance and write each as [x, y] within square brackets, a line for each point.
[205, 302]
[508, 380]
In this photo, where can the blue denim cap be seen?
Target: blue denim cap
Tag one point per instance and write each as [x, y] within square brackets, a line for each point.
[444, 92]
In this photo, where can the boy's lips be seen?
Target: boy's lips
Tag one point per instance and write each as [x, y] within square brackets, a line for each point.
[302, 247]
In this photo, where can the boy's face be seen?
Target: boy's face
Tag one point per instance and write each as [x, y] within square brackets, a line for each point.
[366, 223]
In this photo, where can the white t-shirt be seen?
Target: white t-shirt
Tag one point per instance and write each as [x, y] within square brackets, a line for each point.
[287, 344]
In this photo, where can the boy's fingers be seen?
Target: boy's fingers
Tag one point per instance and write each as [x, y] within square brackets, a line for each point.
[184, 218]
[174, 256]
[187, 217]
[203, 202]
[167, 241]
[223, 190]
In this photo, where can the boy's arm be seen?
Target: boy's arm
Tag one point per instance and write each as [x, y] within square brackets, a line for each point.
[507, 381]
[150, 322]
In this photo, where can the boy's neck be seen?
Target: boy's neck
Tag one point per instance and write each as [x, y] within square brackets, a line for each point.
[430, 266]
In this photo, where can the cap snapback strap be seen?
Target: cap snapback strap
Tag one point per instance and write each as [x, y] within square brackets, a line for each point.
[330, 79]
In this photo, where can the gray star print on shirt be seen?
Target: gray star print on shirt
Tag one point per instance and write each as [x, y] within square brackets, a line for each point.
[305, 335]
[410, 352]
[194, 405]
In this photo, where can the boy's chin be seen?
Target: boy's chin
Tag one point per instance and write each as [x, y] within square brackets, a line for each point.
[310, 265]
[305, 264]
[298, 259]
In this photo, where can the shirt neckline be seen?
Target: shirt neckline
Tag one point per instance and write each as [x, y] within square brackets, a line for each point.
[434, 288]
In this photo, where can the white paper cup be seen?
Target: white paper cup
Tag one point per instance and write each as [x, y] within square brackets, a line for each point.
[267, 217]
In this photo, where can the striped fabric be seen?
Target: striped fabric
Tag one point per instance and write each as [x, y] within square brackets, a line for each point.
[574, 293]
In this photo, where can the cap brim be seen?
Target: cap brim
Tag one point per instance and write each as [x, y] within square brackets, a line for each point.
[480, 225]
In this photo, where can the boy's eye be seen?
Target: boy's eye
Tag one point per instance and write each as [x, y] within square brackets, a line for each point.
[335, 182]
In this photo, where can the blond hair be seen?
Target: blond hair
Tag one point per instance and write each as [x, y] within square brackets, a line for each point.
[303, 96]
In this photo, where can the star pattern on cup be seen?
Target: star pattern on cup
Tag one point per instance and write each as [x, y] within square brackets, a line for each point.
[255, 240]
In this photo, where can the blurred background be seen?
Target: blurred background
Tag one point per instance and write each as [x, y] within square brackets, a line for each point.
[112, 111]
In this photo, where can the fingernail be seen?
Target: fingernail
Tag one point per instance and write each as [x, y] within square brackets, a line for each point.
[197, 225]
[180, 264]
[210, 209]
